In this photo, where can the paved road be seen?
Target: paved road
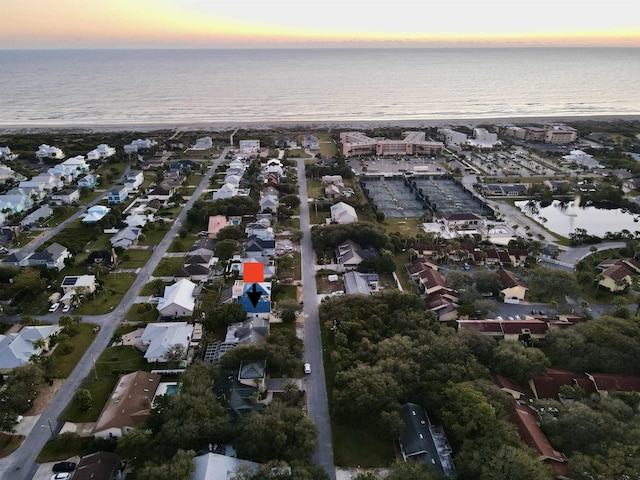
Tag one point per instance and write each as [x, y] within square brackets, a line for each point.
[34, 244]
[317, 403]
[25, 456]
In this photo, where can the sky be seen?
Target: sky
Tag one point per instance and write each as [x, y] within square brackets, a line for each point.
[316, 23]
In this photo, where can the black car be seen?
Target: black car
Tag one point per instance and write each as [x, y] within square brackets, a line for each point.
[64, 467]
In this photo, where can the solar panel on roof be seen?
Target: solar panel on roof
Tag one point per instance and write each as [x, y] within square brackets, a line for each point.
[69, 281]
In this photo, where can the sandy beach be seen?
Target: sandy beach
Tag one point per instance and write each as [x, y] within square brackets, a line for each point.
[308, 125]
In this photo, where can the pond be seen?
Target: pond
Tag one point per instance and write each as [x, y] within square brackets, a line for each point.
[564, 217]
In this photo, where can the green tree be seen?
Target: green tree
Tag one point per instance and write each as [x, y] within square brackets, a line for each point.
[487, 281]
[412, 470]
[519, 363]
[179, 466]
[83, 399]
[175, 354]
[548, 284]
[279, 432]
[225, 249]
[466, 411]
[135, 446]
[29, 281]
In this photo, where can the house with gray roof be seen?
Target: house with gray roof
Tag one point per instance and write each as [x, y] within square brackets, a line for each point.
[423, 442]
[51, 257]
[356, 283]
[17, 348]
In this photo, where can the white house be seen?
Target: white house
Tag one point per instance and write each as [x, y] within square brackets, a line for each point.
[160, 337]
[71, 168]
[204, 143]
[5, 154]
[66, 197]
[72, 283]
[7, 174]
[311, 142]
[273, 166]
[15, 203]
[47, 180]
[139, 144]
[88, 181]
[125, 237]
[213, 466]
[228, 190]
[269, 202]
[343, 213]
[134, 180]
[51, 257]
[95, 214]
[178, 299]
[101, 152]
[17, 348]
[249, 146]
[47, 151]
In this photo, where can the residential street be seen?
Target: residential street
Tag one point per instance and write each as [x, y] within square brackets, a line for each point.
[317, 402]
[25, 456]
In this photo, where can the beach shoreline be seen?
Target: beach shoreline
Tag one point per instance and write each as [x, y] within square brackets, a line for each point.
[219, 126]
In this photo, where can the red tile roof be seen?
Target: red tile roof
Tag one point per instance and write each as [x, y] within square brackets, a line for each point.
[548, 386]
[618, 383]
[515, 327]
[503, 382]
[507, 278]
[525, 420]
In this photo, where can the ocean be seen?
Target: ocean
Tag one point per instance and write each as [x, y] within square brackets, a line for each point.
[176, 87]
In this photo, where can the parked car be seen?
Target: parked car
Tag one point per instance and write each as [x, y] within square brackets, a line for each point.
[64, 467]
[3, 250]
[61, 476]
[307, 368]
[54, 307]
[66, 308]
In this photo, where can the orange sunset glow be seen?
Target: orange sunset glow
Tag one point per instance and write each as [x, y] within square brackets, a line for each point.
[242, 23]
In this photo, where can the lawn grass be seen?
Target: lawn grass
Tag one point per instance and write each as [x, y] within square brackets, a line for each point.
[155, 236]
[327, 149]
[102, 243]
[114, 288]
[407, 226]
[297, 266]
[9, 443]
[168, 266]
[113, 362]
[194, 180]
[318, 218]
[286, 292]
[62, 365]
[180, 245]
[60, 449]
[353, 447]
[60, 215]
[147, 316]
[134, 258]
[148, 288]
[314, 188]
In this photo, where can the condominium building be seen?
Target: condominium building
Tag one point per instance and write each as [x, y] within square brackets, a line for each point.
[357, 143]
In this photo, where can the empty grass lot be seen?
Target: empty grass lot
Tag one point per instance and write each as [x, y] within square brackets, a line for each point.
[62, 365]
[134, 258]
[114, 288]
[168, 266]
[355, 447]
